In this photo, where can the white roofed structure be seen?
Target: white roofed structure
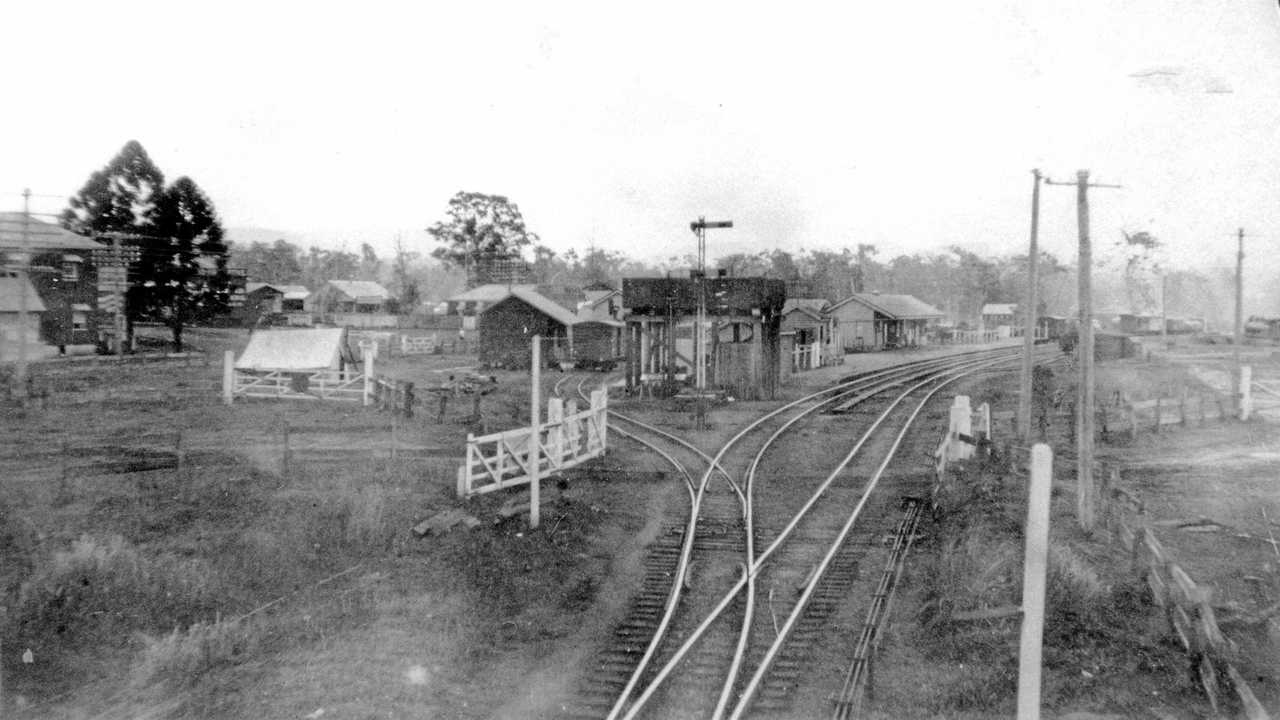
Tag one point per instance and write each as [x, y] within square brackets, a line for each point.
[302, 349]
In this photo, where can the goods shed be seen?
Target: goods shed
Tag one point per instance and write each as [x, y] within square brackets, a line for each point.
[507, 326]
[743, 323]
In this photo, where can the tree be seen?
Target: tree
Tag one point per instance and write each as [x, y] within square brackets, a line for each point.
[480, 228]
[1139, 250]
[121, 197]
[278, 262]
[182, 269]
[405, 283]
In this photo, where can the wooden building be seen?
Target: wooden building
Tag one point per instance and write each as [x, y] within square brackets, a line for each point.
[62, 268]
[808, 334]
[274, 304]
[874, 321]
[999, 318]
[508, 325]
[744, 319]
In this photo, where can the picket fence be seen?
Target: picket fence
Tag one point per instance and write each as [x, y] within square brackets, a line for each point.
[568, 437]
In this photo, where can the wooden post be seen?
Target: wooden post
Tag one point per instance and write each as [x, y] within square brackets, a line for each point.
[369, 355]
[228, 376]
[961, 424]
[1246, 399]
[1182, 408]
[284, 457]
[555, 429]
[535, 512]
[1084, 406]
[1033, 582]
[1158, 414]
[1029, 316]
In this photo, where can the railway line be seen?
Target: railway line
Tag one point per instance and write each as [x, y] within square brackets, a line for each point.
[739, 595]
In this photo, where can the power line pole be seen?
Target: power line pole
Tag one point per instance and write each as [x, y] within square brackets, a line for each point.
[1086, 491]
[1239, 327]
[1029, 327]
[24, 275]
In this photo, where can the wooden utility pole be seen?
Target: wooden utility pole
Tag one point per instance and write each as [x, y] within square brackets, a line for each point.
[1084, 438]
[1086, 494]
[1239, 327]
[1164, 309]
[1029, 326]
[24, 277]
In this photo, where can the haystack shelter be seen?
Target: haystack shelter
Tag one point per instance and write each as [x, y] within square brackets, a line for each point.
[297, 350]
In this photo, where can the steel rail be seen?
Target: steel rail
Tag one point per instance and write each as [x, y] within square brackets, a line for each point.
[853, 385]
[752, 687]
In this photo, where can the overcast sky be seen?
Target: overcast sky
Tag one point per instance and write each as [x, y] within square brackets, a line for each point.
[910, 126]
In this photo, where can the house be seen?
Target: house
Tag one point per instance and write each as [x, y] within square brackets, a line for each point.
[63, 271]
[999, 318]
[356, 303]
[807, 332]
[267, 303]
[21, 313]
[506, 326]
[875, 321]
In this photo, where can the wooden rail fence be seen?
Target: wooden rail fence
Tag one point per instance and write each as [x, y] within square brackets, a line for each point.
[569, 437]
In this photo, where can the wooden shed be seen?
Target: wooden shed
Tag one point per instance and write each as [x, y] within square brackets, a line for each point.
[507, 326]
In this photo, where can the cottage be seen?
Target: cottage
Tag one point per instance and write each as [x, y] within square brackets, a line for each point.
[999, 318]
[874, 321]
[269, 303]
[62, 269]
[356, 303]
[468, 305]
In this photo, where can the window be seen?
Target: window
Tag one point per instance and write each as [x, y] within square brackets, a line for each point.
[71, 268]
[79, 320]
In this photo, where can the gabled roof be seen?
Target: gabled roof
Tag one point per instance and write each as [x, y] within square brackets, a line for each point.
[813, 307]
[1000, 309]
[302, 349]
[360, 289]
[897, 307]
[11, 289]
[40, 235]
[290, 292]
[489, 293]
[546, 306]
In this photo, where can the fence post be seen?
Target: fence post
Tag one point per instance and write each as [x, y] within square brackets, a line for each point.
[1158, 414]
[573, 434]
[555, 429]
[1033, 583]
[368, 372]
[1246, 398]
[1182, 408]
[284, 457]
[228, 376]
[464, 472]
[535, 477]
[961, 424]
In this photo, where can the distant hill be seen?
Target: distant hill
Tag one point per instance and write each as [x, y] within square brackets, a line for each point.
[244, 236]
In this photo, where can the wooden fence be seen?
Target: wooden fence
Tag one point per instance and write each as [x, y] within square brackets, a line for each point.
[1186, 605]
[806, 357]
[420, 345]
[568, 437]
[365, 387]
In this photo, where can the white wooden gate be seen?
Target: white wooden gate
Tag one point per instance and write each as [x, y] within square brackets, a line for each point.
[568, 437]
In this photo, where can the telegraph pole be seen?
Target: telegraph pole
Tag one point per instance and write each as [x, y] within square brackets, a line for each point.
[1029, 328]
[1239, 328]
[1086, 492]
[20, 375]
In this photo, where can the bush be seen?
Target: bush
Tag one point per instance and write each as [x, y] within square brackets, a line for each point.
[181, 657]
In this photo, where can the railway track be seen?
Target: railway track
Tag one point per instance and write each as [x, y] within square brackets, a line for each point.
[726, 627]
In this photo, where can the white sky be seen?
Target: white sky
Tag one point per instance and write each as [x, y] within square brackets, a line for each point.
[910, 125]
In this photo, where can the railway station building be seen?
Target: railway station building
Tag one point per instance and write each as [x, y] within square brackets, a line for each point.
[875, 321]
[809, 335]
[743, 322]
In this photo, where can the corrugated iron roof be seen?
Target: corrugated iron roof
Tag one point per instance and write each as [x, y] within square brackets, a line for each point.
[11, 289]
[813, 307]
[40, 235]
[490, 293]
[363, 289]
[999, 308]
[898, 307]
[300, 349]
